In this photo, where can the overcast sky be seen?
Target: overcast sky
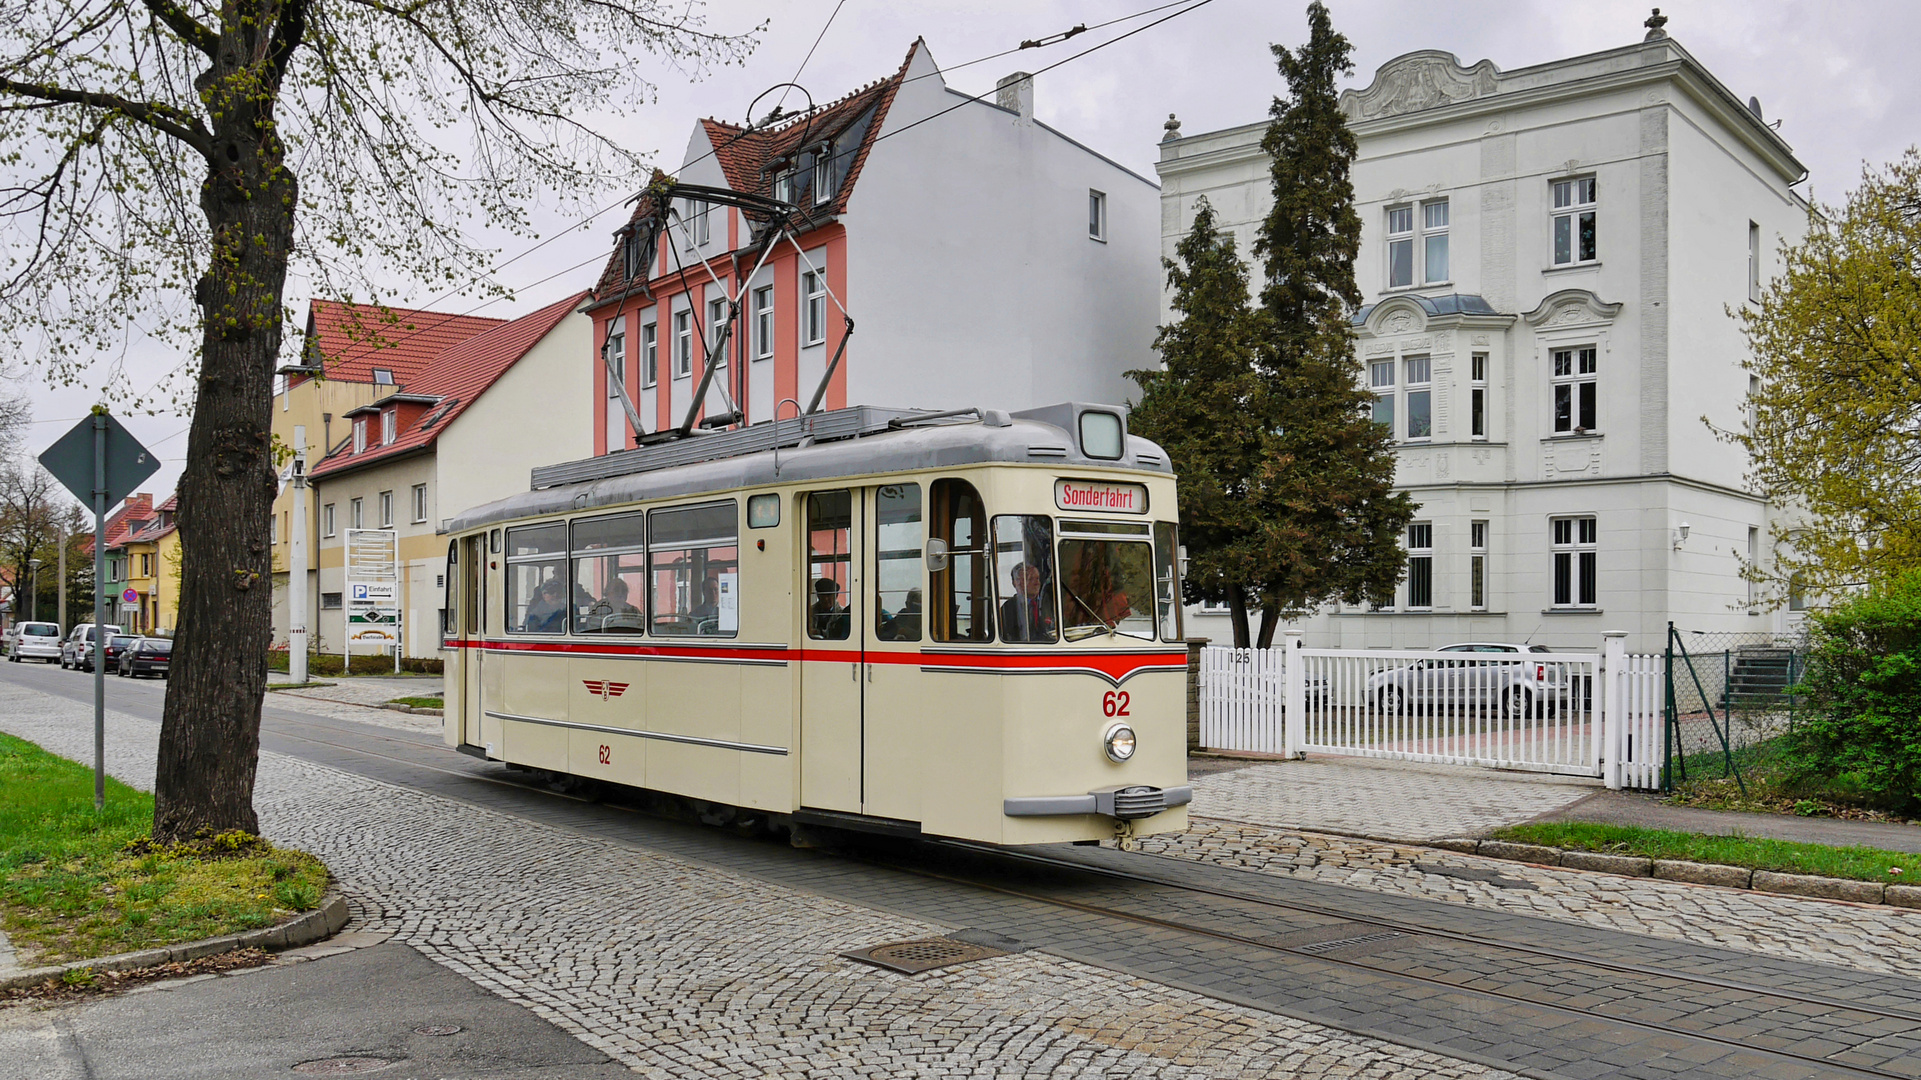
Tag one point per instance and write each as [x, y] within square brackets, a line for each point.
[1835, 74]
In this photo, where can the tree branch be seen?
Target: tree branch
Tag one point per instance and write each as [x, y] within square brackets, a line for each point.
[184, 26]
[160, 117]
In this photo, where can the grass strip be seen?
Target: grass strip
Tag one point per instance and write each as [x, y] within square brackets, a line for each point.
[76, 882]
[418, 702]
[1755, 853]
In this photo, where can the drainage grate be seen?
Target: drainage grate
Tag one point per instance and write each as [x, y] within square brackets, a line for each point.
[1341, 943]
[923, 954]
[343, 1066]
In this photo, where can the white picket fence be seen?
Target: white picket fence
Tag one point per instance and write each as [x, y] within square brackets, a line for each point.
[1589, 714]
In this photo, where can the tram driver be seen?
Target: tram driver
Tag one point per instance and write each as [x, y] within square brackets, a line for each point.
[1025, 616]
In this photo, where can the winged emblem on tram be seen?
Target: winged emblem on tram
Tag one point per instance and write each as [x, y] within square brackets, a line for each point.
[604, 690]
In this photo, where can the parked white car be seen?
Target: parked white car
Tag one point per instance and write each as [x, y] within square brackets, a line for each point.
[1517, 680]
[34, 641]
[73, 651]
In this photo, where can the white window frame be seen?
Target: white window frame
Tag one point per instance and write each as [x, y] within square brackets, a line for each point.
[1574, 551]
[764, 322]
[683, 344]
[697, 221]
[1425, 225]
[273, 536]
[355, 516]
[420, 503]
[1477, 565]
[1754, 262]
[649, 354]
[1571, 199]
[716, 322]
[389, 426]
[360, 434]
[615, 349]
[1097, 215]
[327, 519]
[1477, 397]
[823, 176]
[1420, 565]
[813, 307]
[1418, 382]
[1575, 370]
[387, 509]
[1754, 561]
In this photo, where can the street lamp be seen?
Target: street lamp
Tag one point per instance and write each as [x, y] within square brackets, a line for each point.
[33, 594]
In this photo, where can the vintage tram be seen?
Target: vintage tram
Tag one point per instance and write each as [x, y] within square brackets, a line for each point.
[959, 624]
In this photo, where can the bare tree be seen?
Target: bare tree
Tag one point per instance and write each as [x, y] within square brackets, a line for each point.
[167, 151]
[35, 513]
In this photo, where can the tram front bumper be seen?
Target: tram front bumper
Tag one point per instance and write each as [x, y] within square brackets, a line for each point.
[1124, 803]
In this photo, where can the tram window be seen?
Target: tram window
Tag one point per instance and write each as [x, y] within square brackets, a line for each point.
[1167, 580]
[448, 627]
[1024, 572]
[830, 572]
[610, 574]
[693, 570]
[898, 536]
[961, 602]
[763, 511]
[1107, 587]
[537, 580]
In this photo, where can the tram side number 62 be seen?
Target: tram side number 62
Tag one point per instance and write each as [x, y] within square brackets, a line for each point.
[1114, 703]
[606, 755]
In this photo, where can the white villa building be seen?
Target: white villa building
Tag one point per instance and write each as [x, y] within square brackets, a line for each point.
[1549, 257]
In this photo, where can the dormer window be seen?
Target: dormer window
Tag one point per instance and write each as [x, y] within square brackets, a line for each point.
[360, 434]
[388, 426]
[823, 176]
[633, 254]
[383, 377]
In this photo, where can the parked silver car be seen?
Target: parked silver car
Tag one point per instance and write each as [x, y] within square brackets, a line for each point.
[75, 651]
[1518, 680]
[35, 641]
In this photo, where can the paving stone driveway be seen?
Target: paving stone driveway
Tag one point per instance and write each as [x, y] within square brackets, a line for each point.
[678, 969]
[1396, 800]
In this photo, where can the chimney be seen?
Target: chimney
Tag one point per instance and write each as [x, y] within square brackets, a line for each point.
[1016, 93]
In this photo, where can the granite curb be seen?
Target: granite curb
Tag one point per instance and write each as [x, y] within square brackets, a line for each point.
[316, 925]
[1731, 877]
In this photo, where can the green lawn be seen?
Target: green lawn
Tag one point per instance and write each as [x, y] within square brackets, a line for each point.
[419, 702]
[77, 883]
[1785, 856]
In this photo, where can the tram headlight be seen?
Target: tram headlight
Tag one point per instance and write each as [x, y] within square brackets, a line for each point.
[1119, 742]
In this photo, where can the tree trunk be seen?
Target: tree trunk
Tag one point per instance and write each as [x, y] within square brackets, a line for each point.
[1237, 612]
[1270, 622]
[210, 732]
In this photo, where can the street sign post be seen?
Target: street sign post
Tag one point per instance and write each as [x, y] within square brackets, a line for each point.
[101, 463]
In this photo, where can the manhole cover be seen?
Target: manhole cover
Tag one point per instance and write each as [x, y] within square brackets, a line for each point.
[440, 1029]
[343, 1066]
[924, 954]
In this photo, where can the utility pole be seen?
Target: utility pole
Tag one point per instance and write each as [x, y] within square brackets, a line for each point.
[60, 588]
[297, 563]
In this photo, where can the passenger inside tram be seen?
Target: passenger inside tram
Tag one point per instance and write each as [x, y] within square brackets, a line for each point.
[548, 613]
[1025, 616]
[708, 610]
[827, 615]
[903, 625]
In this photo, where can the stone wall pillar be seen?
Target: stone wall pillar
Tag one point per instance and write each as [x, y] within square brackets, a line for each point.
[1194, 691]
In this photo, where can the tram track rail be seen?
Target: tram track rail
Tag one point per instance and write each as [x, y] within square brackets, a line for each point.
[317, 732]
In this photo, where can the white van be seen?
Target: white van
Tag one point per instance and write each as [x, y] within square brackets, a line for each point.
[35, 641]
[73, 651]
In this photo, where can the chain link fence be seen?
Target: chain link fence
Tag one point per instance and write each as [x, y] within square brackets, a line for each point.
[1730, 699]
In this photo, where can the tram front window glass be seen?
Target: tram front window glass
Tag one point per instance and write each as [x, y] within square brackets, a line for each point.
[1107, 587]
[962, 599]
[610, 574]
[537, 580]
[1167, 580]
[1024, 572]
[830, 537]
[693, 570]
[898, 536]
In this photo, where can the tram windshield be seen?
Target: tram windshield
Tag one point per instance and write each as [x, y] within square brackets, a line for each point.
[1107, 583]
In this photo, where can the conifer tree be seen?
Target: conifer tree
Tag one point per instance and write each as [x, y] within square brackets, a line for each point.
[1204, 406]
[1330, 523]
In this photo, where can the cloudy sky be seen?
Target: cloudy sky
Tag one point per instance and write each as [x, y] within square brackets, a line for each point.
[1835, 74]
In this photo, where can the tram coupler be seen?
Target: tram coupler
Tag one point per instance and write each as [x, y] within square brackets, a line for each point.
[1124, 835]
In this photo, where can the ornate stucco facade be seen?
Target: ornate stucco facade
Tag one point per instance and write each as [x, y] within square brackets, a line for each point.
[1549, 258]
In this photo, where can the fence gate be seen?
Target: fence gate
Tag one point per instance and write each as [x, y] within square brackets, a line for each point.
[1584, 714]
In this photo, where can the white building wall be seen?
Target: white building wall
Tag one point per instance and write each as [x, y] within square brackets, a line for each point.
[971, 276]
[1680, 171]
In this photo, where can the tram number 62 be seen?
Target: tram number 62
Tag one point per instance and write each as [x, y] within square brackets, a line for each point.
[606, 755]
[1114, 703]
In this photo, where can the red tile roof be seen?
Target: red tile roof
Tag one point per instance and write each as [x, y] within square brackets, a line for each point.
[132, 514]
[747, 157]
[354, 339]
[457, 376]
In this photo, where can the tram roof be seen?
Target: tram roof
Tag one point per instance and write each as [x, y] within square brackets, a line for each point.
[876, 442]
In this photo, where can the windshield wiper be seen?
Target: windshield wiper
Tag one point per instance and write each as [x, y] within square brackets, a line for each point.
[1089, 608]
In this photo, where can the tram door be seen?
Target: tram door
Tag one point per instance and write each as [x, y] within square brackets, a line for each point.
[471, 565]
[830, 701]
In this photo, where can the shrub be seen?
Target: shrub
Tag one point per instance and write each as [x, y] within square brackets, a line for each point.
[327, 665]
[1862, 726]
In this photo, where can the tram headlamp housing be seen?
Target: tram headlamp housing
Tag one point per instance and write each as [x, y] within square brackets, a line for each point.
[1118, 742]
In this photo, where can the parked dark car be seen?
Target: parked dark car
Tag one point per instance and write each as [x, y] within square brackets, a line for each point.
[116, 644]
[147, 656]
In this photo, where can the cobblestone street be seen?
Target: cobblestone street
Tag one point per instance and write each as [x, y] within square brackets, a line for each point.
[682, 970]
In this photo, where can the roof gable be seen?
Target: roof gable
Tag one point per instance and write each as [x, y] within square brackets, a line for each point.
[456, 378]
